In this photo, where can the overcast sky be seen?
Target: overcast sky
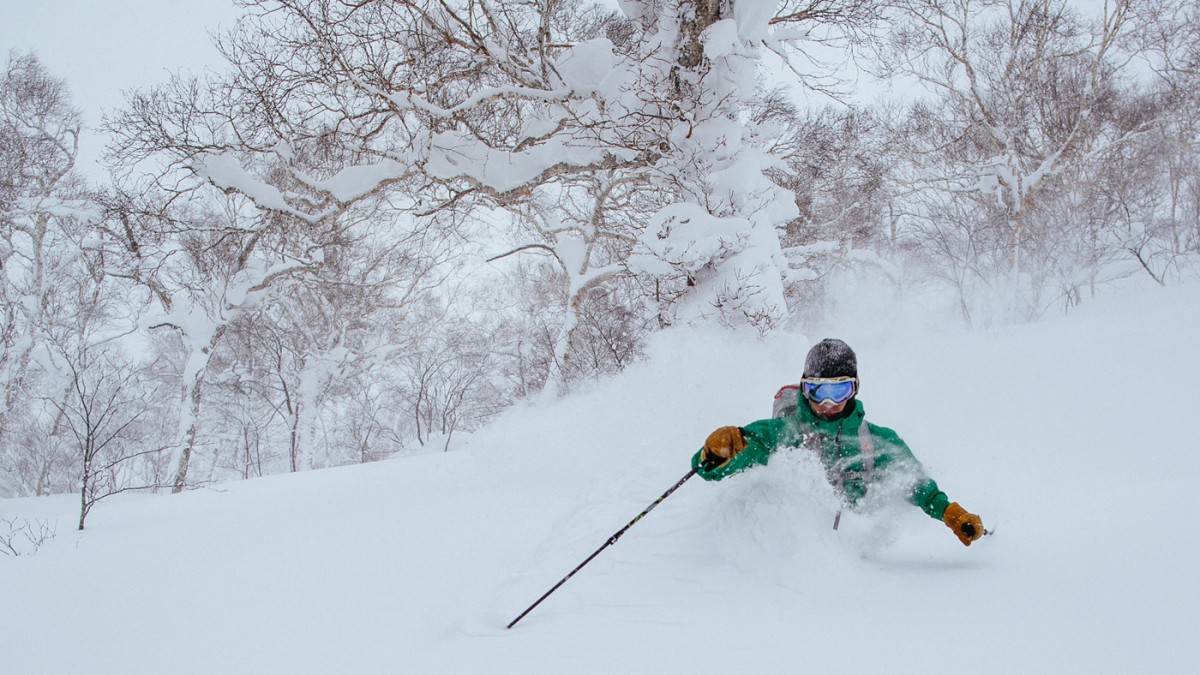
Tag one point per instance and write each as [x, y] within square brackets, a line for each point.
[103, 47]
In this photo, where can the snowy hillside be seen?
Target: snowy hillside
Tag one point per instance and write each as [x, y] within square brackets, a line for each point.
[1072, 437]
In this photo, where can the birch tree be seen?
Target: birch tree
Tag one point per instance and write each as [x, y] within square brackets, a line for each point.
[613, 142]
[108, 416]
[208, 269]
[52, 269]
[1022, 93]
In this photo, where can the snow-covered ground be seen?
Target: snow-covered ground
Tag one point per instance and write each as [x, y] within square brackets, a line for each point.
[1073, 437]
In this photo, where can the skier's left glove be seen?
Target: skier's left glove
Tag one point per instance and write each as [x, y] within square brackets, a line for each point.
[966, 526]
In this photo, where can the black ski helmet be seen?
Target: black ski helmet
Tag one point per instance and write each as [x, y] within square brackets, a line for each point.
[831, 358]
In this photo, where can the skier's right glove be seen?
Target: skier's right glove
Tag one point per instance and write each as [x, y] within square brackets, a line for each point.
[966, 526]
[721, 446]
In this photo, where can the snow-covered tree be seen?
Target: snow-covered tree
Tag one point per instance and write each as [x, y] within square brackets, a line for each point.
[1023, 98]
[618, 143]
[52, 271]
[109, 417]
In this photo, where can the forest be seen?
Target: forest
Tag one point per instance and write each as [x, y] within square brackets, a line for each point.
[385, 222]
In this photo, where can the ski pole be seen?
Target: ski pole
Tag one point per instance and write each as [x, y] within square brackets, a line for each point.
[611, 540]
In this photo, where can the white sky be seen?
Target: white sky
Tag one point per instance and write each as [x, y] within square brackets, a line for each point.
[102, 48]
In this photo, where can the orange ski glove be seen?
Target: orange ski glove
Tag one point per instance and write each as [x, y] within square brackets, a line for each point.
[967, 526]
[721, 446]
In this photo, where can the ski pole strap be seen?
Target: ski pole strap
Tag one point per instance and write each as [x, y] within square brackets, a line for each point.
[866, 455]
[866, 446]
[866, 449]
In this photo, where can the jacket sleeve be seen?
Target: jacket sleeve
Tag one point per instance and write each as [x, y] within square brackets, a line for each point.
[931, 500]
[925, 493]
[762, 438]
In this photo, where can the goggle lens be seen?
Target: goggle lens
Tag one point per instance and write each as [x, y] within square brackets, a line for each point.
[838, 391]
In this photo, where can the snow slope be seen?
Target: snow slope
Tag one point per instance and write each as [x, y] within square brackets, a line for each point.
[1072, 437]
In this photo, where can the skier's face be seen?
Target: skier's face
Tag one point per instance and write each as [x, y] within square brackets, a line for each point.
[826, 409]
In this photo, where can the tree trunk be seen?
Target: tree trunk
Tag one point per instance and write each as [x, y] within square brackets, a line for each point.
[194, 394]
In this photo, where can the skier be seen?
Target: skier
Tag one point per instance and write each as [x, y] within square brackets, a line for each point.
[855, 453]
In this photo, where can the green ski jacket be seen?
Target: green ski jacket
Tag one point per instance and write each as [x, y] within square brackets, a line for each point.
[855, 453]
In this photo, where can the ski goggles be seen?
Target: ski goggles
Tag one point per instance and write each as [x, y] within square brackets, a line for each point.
[836, 389]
